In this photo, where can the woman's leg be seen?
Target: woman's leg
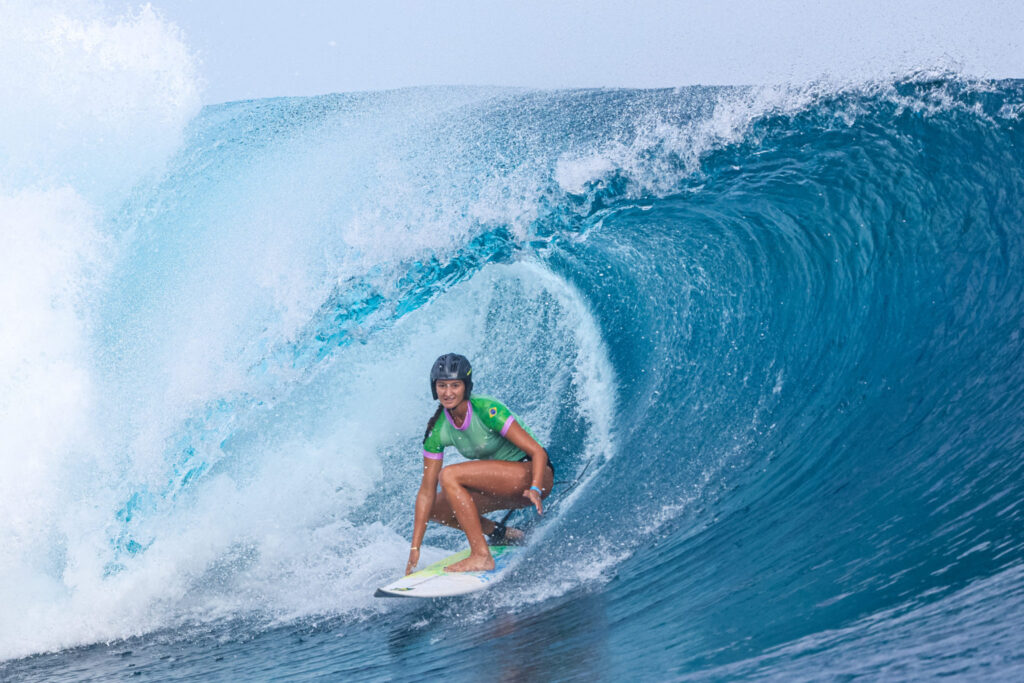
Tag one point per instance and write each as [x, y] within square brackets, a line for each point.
[470, 489]
[443, 513]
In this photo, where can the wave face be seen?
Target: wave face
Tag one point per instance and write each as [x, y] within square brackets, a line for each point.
[771, 337]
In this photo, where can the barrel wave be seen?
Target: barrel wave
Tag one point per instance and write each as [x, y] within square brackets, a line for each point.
[772, 339]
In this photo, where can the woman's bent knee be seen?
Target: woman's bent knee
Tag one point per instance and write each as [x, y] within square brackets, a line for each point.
[448, 477]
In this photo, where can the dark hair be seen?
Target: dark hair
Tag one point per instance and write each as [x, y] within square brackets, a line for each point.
[432, 421]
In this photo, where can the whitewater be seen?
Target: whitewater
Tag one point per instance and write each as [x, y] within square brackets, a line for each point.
[771, 336]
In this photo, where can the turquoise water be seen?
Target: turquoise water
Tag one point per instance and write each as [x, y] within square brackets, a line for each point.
[772, 338]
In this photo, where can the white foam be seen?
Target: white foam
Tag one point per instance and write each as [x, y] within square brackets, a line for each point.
[91, 101]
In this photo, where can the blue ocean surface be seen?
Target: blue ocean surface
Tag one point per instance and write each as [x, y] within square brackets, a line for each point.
[772, 338]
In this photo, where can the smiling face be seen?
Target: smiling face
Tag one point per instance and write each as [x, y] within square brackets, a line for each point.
[450, 392]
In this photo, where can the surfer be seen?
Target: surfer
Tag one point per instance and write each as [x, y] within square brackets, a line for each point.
[506, 469]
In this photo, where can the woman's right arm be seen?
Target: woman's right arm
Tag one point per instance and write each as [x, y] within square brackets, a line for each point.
[424, 504]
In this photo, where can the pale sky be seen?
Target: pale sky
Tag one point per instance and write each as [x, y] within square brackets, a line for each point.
[254, 48]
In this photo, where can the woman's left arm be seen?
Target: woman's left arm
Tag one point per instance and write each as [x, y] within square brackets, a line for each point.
[522, 440]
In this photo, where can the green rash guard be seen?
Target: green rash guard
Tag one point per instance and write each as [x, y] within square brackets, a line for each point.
[481, 436]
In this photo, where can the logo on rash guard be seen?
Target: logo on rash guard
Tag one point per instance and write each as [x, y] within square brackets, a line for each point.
[492, 412]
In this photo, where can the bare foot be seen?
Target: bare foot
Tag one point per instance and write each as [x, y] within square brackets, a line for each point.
[473, 563]
[514, 536]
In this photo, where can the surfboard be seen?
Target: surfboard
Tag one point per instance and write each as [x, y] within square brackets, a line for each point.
[435, 582]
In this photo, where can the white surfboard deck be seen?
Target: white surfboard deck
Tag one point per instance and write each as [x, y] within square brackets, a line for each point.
[435, 582]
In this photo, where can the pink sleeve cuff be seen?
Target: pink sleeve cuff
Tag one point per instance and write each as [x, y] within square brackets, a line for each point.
[508, 423]
[433, 456]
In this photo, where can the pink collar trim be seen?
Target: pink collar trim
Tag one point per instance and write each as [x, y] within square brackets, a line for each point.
[465, 423]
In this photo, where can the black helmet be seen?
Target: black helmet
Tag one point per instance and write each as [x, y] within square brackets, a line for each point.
[451, 366]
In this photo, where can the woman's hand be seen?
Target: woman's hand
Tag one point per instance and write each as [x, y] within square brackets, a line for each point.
[414, 559]
[538, 466]
[533, 495]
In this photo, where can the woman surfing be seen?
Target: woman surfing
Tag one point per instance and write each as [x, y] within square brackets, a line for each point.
[507, 468]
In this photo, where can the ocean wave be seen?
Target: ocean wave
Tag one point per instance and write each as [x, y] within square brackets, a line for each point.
[770, 335]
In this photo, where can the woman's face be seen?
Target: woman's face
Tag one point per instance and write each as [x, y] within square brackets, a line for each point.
[450, 392]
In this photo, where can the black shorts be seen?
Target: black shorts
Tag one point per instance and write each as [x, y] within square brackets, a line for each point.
[527, 458]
